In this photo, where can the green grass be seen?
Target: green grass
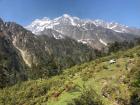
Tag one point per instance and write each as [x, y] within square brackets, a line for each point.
[98, 74]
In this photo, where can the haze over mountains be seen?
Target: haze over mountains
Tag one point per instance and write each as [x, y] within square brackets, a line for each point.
[96, 33]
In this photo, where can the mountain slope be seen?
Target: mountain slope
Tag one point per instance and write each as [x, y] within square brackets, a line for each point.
[12, 67]
[45, 55]
[96, 33]
[97, 82]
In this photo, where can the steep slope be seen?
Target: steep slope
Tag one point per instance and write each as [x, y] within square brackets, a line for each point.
[12, 67]
[97, 82]
[46, 55]
[96, 33]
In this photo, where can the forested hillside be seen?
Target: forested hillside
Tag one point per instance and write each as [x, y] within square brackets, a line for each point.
[97, 82]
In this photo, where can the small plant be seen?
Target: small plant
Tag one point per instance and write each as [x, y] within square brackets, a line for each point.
[118, 65]
[135, 98]
[105, 67]
[88, 97]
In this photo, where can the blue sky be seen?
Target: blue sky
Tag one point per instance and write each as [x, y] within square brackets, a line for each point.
[24, 11]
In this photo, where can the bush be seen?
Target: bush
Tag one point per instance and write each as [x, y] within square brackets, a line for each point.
[88, 97]
[105, 67]
[135, 98]
[118, 65]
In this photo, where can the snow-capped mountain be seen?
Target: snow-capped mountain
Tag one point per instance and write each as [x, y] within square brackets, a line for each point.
[111, 25]
[96, 33]
[40, 24]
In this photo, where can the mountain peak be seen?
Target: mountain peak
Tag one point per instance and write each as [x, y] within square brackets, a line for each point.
[69, 16]
[66, 15]
[68, 20]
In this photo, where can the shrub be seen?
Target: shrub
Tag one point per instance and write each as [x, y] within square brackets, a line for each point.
[118, 65]
[105, 67]
[135, 98]
[88, 97]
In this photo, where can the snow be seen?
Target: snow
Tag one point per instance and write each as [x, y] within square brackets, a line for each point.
[103, 42]
[39, 25]
[117, 30]
[114, 26]
[71, 19]
[85, 41]
[58, 36]
[111, 25]
[72, 22]
[82, 41]
[66, 15]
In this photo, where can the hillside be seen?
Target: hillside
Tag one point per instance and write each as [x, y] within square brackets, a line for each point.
[24, 55]
[94, 83]
[12, 67]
